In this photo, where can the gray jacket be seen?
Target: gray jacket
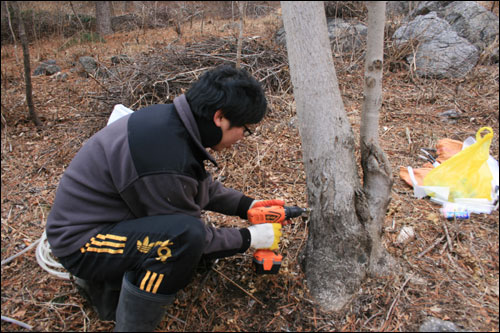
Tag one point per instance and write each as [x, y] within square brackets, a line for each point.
[144, 164]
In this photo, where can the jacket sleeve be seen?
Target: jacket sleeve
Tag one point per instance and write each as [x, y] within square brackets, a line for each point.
[176, 194]
[224, 242]
[226, 200]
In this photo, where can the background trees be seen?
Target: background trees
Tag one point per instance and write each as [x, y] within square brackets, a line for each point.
[103, 17]
[27, 65]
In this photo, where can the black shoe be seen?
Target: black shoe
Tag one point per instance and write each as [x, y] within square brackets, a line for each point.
[205, 265]
[103, 295]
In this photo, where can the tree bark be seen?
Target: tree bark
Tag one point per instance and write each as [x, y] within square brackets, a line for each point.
[242, 5]
[27, 66]
[377, 172]
[5, 3]
[337, 248]
[77, 17]
[339, 245]
[103, 17]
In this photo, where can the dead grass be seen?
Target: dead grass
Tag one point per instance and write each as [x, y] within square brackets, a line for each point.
[455, 279]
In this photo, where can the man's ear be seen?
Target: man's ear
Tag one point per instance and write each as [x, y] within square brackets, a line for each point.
[218, 117]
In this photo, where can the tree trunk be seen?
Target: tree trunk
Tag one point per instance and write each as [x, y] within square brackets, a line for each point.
[77, 17]
[103, 17]
[242, 5]
[377, 173]
[337, 254]
[11, 29]
[27, 66]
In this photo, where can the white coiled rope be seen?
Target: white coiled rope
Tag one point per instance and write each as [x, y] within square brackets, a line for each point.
[43, 257]
[47, 261]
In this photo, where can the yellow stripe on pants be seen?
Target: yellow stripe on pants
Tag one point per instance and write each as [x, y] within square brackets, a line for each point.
[151, 276]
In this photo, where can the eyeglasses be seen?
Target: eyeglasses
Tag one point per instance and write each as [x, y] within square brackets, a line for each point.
[247, 132]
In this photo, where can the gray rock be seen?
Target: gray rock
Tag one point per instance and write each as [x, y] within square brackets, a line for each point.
[432, 324]
[449, 116]
[119, 59]
[88, 63]
[441, 51]
[473, 22]
[425, 7]
[60, 77]
[346, 36]
[52, 69]
[90, 66]
[48, 67]
[396, 8]
[468, 19]
[40, 70]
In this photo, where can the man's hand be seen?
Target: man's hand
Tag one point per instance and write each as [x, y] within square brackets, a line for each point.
[265, 236]
[267, 203]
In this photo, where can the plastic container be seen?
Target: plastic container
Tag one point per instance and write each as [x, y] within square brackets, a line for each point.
[451, 214]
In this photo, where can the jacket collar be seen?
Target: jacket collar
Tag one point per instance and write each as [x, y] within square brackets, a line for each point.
[184, 111]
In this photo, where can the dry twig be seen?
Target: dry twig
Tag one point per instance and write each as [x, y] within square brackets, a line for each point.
[241, 288]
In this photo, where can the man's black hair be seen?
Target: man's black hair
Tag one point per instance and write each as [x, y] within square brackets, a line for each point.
[234, 91]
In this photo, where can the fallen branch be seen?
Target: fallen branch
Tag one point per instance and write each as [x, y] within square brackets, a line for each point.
[149, 79]
[391, 308]
[242, 289]
[439, 240]
[448, 239]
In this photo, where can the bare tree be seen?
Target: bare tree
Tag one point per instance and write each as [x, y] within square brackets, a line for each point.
[27, 66]
[242, 5]
[343, 244]
[77, 16]
[103, 17]
[377, 173]
[5, 5]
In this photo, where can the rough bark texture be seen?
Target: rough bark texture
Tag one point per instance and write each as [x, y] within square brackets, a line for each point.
[242, 5]
[344, 237]
[103, 17]
[338, 246]
[377, 173]
[27, 66]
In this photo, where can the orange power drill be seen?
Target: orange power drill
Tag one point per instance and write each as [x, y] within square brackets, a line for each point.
[266, 261]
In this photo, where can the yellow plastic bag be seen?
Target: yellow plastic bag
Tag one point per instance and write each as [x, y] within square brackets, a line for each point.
[466, 173]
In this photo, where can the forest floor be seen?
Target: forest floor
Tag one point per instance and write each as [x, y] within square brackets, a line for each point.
[450, 270]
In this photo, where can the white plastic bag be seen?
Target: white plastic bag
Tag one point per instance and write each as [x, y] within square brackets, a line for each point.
[118, 111]
[440, 192]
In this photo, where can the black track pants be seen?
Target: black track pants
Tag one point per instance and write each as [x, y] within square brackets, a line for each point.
[163, 251]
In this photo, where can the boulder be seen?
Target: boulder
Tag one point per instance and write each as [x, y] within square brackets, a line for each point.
[346, 36]
[88, 64]
[425, 7]
[473, 22]
[468, 19]
[432, 324]
[397, 8]
[122, 58]
[441, 51]
[48, 67]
